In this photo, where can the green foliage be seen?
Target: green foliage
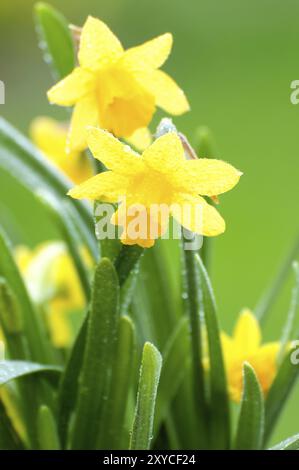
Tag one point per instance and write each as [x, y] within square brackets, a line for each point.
[95, 399]
[142, 430]
[251, 419]
[53, 32]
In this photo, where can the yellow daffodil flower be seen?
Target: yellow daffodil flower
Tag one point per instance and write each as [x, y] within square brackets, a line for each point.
[50, 137]
[53, 283]
[161, 177]
[115, 89]
[246, 346]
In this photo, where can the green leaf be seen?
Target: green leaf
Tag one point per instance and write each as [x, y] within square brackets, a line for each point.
[9, 440]
[150, 370]
[128, 290]
[64, 223]
[158, 295]
[11, 323]
[32, 170]
[55, 39]
[219, 402]
[250, 429]
[126, 261]
[110, 246]
[46, 429]
[113, 424]
[11, 370]
[269, 297]
[191, 297]
[292, 443]
[68, 389]
[279, 392]
[94, 381]
[288, 331]
[32, 328]
[176, 357]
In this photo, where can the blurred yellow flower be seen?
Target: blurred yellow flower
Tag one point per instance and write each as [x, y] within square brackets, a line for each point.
[246, 346]
[53, 283]
[160, 178]
[115, 89]
[50, 137]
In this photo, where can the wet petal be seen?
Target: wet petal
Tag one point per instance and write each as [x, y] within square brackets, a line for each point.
[193, 213]
[165, 155]
[112, 153]
[72, 88]
[106, 186]
[98, 45]
[85, 114]
[167, 93]
[151, 54]
[208, 177]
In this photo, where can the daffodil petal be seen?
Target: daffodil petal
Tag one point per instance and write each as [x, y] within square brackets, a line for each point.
[126, 114]
[98, 45]
[107, 186]
[165, 155]
[265, 364]
[50, 137]
[140, 226]
[193, 213]
[247, 334]
[59, 326]
[227, 345]
[85, 114]
[208, 177]
[151, 54]
[140, 139]
[112, 153]
[169, 96]
[72, 88]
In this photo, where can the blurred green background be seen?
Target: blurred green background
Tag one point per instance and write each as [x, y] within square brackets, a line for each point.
[235, 60]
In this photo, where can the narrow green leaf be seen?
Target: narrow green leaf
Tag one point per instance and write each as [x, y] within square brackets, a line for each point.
[176, 358]
[219, 401]
[32, 328]
[290, 322]
[32, 170]
[47, 430]
[64, 223]
[191, 297]
[55, 39]
[251, 419]
[110, 246]
[292, 443]
[279, 392]
[142, 430]
[68, 389]
[113, 424]
[158, 294]
[9, 440]
[270, 295]
[126, 260]
[11, 370]
[128, 290]
[11, 323]
[94, 381]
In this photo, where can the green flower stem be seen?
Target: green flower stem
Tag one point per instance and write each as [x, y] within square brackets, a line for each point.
[192, 309]
[126, 261]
